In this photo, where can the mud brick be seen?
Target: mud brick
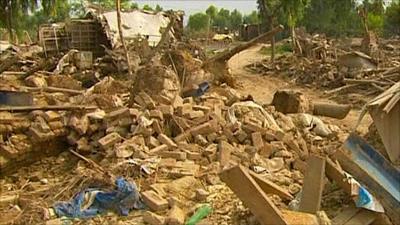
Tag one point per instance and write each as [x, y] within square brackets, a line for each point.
[188, 100]
[178, 155]
[154, 201]
[193, 155]
[153, 219]
[279, 134]
[42, 125]
[118, 114]
[157, 127]
[266, 151]
[156, 114]
[176, 216]
[205, 109]
[39, 136]
[290, 141]
[184, 109]
[148, 101]
[72, 137]
[252, 127]
[201, 194]
[158, 149]
[139, 100]
[135, 113]
[166, 140]
[167, 110]
[55, 125]
[241, 135]
[127, 121]
[9, 151]
[277, 146]
[247, 189]
[270, 136]
[183, 136]
[224, 153]
[109, 140]
[229, 135]
[83, 145]
[51, 116]
[212, 137]
[178, 101]
[194, 114]
[80, 125]
[257, 140]
[152, 142]
[205, 128]
[167, 162]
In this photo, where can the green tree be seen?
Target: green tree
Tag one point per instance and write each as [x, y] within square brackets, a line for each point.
[158, 8]
[212, 12]
[199, 22]
[251, 18]
[294, 9]
[148, 8]
[13, 11]
[222, 19]
[392, 19]
[236, 19]
[332, 17]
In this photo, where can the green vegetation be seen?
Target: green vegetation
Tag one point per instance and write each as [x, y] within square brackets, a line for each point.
[333, 17]
[281, 48]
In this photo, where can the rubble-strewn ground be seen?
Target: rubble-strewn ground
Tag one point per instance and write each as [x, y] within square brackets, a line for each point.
[171, 145]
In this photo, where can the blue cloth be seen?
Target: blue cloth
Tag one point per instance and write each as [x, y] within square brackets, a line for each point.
[121, 200]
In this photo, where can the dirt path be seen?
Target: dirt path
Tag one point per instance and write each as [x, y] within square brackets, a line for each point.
[262, 88]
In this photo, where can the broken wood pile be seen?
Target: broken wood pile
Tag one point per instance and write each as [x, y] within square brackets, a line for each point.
[325, 65]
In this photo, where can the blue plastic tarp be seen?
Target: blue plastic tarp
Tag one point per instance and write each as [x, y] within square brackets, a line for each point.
[91, 202]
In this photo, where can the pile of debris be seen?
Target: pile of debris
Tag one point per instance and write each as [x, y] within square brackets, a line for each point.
[163, 148]
[336, 68]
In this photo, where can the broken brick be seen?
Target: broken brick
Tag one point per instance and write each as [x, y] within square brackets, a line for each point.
[257, 140]
[109, 140]
[154, 201]
[164, 139]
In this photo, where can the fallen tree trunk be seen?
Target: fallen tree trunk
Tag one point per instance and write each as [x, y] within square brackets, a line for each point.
[227, 54]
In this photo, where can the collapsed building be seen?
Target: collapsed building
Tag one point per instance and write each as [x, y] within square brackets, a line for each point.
[163, 147]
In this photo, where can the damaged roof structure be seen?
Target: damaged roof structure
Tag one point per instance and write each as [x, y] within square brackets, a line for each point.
[99, 30]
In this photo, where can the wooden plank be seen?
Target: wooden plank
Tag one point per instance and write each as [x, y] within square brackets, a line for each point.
[270, 188]
[363, 217]
[335, 173]
[313, 185]
[344, 216]
[247, 189]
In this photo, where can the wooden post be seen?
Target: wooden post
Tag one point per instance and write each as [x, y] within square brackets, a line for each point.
[121, 36]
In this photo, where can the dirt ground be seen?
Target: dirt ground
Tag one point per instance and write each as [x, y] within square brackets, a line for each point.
[262, 88]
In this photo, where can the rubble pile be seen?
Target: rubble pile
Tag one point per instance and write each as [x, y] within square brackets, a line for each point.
[336, 68]
[144, 150]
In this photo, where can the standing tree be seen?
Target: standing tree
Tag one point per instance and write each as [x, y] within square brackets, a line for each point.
[11, 12]
[251, 18]
[269, 10]
[198, 22]
[392, 19]
[294, 9]
[236, 19]
[158, 8]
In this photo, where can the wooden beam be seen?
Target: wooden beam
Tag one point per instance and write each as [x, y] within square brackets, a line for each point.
[247, 189]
